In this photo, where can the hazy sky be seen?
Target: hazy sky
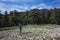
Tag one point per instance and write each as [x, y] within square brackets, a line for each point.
[23, 5]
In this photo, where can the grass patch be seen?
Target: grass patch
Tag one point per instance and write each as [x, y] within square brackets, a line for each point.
[31, 26]
[40, 26]
[8, 28]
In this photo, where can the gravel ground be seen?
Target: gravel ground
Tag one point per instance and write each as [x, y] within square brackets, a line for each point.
[30, 34]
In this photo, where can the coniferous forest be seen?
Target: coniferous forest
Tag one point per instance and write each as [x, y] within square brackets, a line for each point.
[33, 16]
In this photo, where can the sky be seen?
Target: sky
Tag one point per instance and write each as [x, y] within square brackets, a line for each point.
[23, 5]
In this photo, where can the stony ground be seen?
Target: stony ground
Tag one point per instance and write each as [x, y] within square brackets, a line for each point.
[30, 34]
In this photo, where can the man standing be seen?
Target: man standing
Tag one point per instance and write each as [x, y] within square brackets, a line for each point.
[20, 28]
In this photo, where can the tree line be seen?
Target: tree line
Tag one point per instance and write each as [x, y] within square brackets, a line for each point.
[33, 16]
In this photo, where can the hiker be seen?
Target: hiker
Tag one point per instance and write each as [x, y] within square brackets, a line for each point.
[20, 27]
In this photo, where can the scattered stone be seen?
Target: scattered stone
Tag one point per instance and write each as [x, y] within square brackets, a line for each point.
[31, 34]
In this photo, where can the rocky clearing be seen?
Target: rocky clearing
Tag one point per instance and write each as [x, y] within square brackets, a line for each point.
[30, 34]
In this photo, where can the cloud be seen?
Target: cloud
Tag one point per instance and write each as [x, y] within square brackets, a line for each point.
[19, 0]
[11, 0]
[56, 1]
[12, 7]
[42, 6]
[3, 7]
[33, 7]
[58, 6]
[24, 7]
